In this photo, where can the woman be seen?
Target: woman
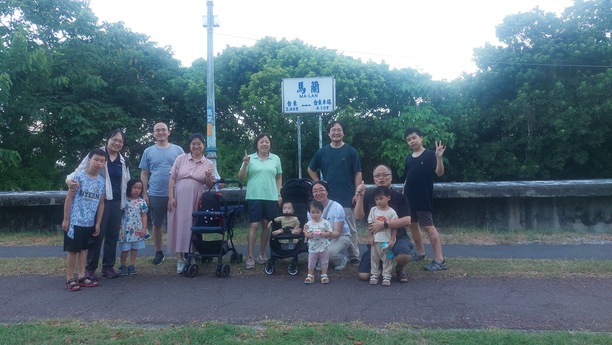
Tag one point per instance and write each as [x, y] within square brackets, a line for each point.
[264, 175]
[117, 174]
[190, 172]
[334, 213]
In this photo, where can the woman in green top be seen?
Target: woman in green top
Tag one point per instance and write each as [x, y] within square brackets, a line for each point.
[263, 173]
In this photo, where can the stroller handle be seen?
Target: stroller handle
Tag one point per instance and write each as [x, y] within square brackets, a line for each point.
[226, 181]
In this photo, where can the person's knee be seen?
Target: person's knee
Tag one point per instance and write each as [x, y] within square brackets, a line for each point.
[402, 259]
[364, 276]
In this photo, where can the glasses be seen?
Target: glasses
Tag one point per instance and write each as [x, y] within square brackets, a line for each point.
[336, 130]
[319, 191]
[161, 130]
[377, 176]
[118, 141]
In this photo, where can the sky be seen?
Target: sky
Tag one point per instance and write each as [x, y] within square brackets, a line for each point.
[436, 37]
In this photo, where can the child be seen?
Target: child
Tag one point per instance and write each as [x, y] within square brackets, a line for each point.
[83, 211]
[317, 231]
[287, 223]
[133, 226]
[382, 241]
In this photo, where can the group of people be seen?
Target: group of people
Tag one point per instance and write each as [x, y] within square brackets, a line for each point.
[104, 206]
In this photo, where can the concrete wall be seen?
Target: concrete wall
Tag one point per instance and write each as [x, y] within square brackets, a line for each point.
[571, 205]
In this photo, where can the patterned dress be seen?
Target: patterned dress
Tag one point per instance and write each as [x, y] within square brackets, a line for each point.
[131, 223]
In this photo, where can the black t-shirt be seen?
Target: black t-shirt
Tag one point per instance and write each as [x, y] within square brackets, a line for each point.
[419, 177]
[398, 202]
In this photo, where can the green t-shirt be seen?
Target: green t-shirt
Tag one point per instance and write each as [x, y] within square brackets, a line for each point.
[261, 177]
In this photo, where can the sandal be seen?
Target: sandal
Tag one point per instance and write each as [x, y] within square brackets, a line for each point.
[72, 286]
[386, 281]
[373, 279]
[324, 279]
[309, 279]
[250, 263]
[86, 282]
[402, 277]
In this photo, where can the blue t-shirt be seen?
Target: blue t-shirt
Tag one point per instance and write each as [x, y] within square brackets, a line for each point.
[338, 166]
[159, 161]
[86, 201]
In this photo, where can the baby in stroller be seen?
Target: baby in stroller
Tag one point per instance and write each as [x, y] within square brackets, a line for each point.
[289, 224]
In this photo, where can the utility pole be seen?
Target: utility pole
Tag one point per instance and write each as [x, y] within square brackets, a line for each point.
[211, 135]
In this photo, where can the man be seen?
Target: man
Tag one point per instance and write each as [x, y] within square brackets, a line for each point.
[421, 168]
[365, 201]
[341, 169]
[155, 166]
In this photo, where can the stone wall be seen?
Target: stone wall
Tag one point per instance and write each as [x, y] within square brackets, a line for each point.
[569, 205]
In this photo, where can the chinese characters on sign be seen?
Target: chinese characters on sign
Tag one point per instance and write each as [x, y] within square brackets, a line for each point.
[309, 95]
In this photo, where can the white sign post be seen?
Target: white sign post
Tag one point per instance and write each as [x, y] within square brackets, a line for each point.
[316, 95]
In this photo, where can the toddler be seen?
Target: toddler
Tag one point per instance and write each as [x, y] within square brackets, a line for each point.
[133, 230]
[317, 231]
[382, 241]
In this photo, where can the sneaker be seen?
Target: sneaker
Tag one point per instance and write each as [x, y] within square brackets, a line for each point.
[132, 270]
[342, 264]
[262, 259]
[416, 257]
[354, 261]
[91, 275]
[436, 266]
[180, 265]
[109, 273]
[159, 257]
[123, 270]
[250, 263]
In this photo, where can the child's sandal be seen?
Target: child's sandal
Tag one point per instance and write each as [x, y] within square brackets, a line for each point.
[373, 279]
[386, 281]
[72, 285]
[86, 282]
[324, 279]
[309, 279]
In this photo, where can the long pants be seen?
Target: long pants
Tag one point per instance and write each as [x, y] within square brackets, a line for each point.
[353, 249]
[322, 257]
[337, 249]
[109, 234]
[376, 257]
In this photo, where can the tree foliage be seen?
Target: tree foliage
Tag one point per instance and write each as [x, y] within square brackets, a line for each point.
[539, 106]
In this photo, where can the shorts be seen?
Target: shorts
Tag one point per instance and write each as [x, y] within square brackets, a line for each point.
[83, 239]
[423, 218]
[262, 209]
[125, 246]
[158, 206]
[403, 245]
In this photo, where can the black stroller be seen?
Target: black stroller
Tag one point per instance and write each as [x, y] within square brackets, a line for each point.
[215, 219]
[288, 245]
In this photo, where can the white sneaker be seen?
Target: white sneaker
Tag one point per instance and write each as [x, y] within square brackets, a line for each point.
[180, 265]
[342, 264]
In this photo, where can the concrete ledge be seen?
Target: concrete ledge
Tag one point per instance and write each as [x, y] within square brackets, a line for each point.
[569, 205]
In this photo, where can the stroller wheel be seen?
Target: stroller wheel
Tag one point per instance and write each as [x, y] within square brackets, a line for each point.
[269, 268]
[225, 271]
[233, 258]
[191, 271]
[292, 269]
[218, 270]
[239, 258]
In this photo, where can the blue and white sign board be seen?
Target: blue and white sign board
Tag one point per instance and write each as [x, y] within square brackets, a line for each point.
[309, 95]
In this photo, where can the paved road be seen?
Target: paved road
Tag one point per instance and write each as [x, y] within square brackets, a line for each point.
[507, 303]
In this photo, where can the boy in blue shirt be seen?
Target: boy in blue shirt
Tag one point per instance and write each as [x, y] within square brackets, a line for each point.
[80, 222]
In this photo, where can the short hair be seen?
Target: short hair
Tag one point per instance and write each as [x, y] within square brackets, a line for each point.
[114, 132]
[322, 183]
[287, 202]
[411, 130]
[316, 204]
[258, 137]
[383, 165]
[98, 152]
[333, 123]
[382, 191]
[130, 184]
[197, 136]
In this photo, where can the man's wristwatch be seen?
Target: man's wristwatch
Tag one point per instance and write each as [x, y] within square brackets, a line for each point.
[386, 225]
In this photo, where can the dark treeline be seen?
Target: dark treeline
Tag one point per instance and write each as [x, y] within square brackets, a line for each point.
[539, 106]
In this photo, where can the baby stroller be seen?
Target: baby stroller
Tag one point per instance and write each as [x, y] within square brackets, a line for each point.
[215, 219]
[288, 245]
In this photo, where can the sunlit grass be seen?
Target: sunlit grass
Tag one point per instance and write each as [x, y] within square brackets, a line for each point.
[275, 332]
